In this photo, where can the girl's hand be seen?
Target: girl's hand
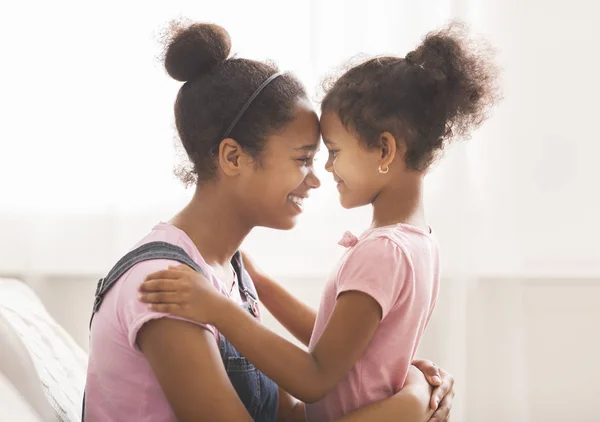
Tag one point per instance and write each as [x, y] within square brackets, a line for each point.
[183, 292]
[443, 388]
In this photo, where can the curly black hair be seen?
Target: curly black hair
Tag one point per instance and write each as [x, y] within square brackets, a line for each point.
[215, 89]
[439, 92]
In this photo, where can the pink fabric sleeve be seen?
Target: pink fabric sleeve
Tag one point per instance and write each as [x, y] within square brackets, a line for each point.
[133, 313]
[377, 267]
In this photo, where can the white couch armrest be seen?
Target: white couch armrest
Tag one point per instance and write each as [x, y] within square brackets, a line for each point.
[59, 363]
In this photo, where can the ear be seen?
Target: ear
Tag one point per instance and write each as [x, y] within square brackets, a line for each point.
[389, 148]
[232, 157]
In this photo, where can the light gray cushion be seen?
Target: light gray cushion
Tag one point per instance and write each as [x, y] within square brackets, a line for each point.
[17, 369]
[58, 362]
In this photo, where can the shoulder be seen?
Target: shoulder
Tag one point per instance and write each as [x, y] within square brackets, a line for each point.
[400, 239]
[377, 247]
[123, 298]
[130, 281]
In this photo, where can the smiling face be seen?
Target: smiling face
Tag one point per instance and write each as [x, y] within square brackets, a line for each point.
[273, 190]
[354, 167]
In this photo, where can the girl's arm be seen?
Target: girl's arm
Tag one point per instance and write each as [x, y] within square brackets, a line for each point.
[297, 317]
[308, 376]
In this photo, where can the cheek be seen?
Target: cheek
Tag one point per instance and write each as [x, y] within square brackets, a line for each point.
[349, 169]
[286, 179]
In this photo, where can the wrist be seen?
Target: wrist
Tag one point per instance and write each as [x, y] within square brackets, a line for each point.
[221, 307]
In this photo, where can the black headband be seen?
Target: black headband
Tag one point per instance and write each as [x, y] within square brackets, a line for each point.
[248, 103]
[214, 150]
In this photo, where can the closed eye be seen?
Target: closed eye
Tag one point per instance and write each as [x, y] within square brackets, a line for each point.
[333, 153]
[306, 161]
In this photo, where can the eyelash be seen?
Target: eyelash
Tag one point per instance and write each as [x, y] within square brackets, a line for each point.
[307, 161]
[333, 153]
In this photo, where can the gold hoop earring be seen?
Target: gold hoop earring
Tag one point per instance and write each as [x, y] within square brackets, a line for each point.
[383, 170]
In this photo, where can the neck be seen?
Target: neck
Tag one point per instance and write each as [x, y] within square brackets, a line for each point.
[401, 203]
[212, 222]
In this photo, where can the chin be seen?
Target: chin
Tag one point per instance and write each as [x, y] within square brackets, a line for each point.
[347, 203]
[282, 224]
[350, 203]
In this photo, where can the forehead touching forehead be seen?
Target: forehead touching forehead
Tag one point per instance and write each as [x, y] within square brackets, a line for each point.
[301, 134]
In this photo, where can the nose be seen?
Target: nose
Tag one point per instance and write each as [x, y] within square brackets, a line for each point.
[312, 181]
[329, 165]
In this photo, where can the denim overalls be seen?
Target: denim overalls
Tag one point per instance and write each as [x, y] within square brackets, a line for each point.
[258, 393]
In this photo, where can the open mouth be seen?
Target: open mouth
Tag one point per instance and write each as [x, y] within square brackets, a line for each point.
[298, 201]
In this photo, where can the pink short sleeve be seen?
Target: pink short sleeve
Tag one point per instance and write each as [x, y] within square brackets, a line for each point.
[377, 267]
[131, 312]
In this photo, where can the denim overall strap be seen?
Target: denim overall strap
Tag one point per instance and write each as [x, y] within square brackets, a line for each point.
[246, 286]
[146, 252]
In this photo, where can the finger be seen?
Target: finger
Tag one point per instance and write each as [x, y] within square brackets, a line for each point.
[171, 273]
[442, 414]
[430, 370]
[166, 308]
[162, 297]
[438, 394]
[433, 376]
[446, 388]
[161, 285]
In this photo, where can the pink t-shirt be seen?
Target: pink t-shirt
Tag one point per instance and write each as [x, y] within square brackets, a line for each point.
[399, 267]
[120, 383]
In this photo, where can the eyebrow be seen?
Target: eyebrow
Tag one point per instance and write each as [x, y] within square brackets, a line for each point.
[328, 142]
[308, 148]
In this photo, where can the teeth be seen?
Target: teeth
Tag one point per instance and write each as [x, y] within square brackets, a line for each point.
[296, 200]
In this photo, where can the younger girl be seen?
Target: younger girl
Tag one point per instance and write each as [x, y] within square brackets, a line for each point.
[383, 123]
